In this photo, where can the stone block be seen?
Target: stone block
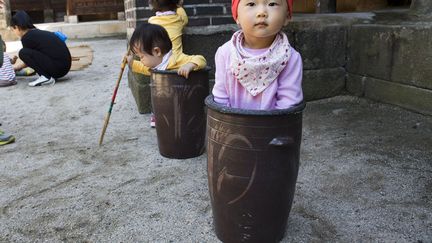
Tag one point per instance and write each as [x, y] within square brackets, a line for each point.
[409, 97]
[322, 45]
[323, 83]
[400, 53]
[370, 51]
[412, 55]
[205, 44]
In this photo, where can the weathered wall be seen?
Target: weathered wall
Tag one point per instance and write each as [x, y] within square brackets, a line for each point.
[389, 59]
[382, 57]
[391, 63]
[324, 73]
[386, 62]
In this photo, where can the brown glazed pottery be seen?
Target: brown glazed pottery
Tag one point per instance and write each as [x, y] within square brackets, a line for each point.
[178, 105]
[252, 161]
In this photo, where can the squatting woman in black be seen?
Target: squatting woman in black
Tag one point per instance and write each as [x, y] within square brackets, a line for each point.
[42, 50]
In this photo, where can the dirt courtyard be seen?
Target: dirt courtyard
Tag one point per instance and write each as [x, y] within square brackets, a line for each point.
[365, 174]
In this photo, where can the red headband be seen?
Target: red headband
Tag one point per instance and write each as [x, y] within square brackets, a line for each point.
[235, 3]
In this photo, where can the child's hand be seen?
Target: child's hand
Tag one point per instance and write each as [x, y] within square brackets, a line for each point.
[18, 67]
[186, 69]
[13, 59]
[129, 59]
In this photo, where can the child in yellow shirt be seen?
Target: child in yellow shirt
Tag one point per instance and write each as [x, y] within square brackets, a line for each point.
[151, 43]
[170, 15]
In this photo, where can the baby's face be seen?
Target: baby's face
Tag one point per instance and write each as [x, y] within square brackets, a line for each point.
[149, 60]
[262, 18]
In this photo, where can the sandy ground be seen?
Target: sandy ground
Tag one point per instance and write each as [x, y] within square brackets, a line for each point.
[366, 169]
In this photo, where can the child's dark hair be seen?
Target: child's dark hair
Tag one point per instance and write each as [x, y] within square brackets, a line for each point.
[164, 5]
[22, 20]
[147, 36]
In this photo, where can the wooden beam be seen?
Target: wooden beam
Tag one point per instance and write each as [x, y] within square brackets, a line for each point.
[325, 6]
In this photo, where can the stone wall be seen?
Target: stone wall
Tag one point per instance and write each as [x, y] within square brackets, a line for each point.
[391, 63]
[324, 68]
[322, 42]
[388, 60]
[382, 56]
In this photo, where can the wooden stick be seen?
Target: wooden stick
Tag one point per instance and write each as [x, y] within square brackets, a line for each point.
[108, 115]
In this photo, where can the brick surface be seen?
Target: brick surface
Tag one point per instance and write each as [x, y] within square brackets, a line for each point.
[222, 20]
[200, 12]
[145, 13]
[190, 11]
[210, 10]
[199, 21]
[187, 2]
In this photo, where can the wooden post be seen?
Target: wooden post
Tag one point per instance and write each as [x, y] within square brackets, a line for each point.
[325, 6]
[69, 9]
[71, 15]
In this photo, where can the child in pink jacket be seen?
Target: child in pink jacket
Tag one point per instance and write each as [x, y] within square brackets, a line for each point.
[258, 69]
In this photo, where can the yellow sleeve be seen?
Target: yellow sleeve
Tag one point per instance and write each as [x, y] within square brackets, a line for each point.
[198, 60]
[183, 16]
[138, 67]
